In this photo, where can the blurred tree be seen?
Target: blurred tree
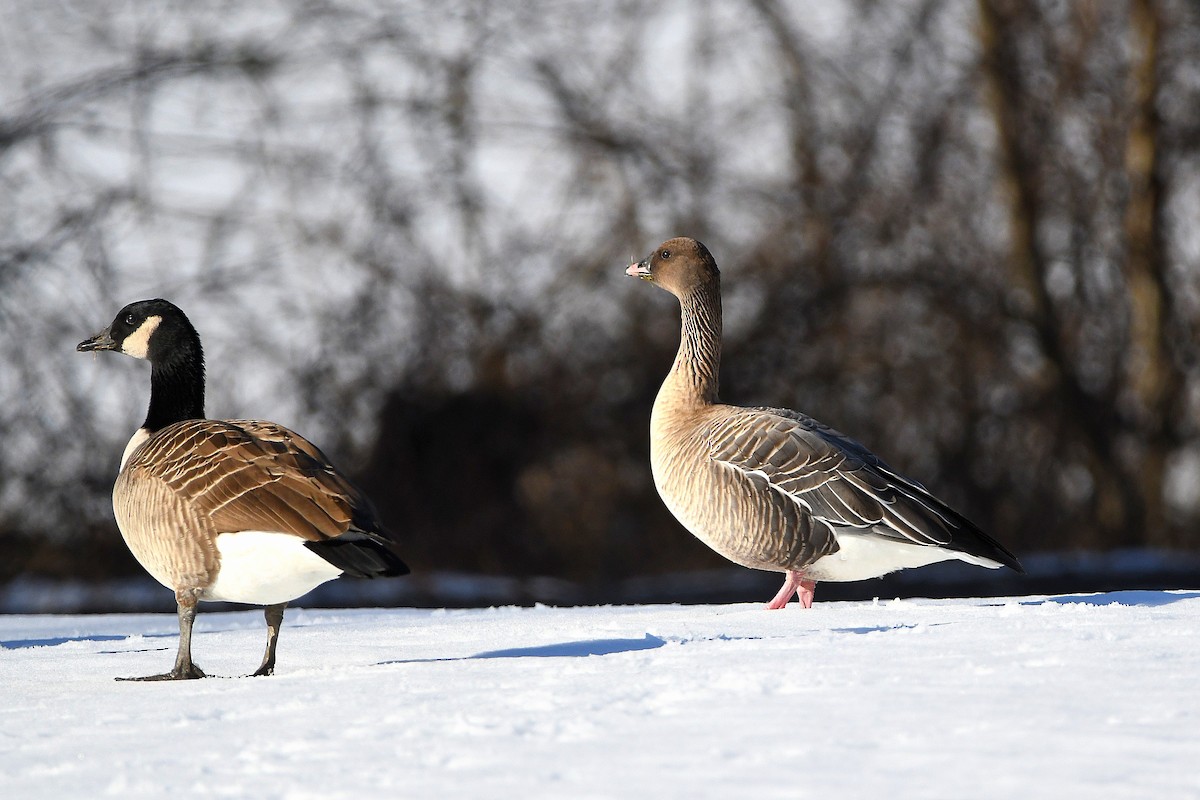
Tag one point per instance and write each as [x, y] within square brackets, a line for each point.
[955, 231]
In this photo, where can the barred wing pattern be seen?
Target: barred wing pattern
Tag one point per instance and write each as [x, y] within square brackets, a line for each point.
[254, 475]
[837, 480]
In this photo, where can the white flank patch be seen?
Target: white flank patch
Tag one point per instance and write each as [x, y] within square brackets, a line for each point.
[137, 344]
[135, 441]
[867, 555]
[265, 568]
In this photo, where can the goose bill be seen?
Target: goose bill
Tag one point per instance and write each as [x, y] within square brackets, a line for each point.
[640, 270]
[101, 341]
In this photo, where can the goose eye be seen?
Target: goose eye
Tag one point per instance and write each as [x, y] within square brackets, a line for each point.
[129, 319]
[664, 255]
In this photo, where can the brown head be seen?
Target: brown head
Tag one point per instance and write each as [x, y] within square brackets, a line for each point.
[681, 265]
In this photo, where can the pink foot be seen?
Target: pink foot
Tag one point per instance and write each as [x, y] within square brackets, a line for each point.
[806, 592]
[794, 583]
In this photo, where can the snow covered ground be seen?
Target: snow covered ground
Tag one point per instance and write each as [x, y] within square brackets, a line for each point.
[1037, 697]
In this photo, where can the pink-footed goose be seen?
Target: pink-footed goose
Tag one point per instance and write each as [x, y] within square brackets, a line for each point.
[773, 489]
[244, 511]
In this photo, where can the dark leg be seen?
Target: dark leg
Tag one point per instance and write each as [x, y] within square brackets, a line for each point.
[274, 615]
[184, 668]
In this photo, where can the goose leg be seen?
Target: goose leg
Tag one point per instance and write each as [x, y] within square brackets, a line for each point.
[794, 583]
[781, 598]
[184, 668]
[274, 615]
[806, 592]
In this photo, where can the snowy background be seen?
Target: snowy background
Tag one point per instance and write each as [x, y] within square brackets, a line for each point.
[1031, 697]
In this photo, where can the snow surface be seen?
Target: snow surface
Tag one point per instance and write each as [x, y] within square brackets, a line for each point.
[1054, 697]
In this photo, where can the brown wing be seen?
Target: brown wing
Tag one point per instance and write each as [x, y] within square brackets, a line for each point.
[254, 475]
[839, 481]
[844, 484]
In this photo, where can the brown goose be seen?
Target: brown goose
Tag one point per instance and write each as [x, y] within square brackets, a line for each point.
[237, 510]
[773, 489]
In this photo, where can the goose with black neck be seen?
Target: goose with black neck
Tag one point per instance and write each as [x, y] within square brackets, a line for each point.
[244, 511]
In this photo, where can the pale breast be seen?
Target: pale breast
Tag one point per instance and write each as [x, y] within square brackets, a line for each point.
[135, 441]
[740, 516]
[172, 544]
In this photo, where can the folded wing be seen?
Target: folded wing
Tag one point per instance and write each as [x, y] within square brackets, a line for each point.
[840, 482]
[245, 475]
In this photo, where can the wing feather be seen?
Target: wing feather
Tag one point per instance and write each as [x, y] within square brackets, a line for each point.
[840, 481]
[255, 475]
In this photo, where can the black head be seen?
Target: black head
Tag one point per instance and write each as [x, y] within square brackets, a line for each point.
[149, 329]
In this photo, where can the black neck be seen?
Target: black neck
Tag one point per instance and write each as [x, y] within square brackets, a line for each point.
[176, 390]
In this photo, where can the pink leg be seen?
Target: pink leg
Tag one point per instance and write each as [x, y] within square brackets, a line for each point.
[794, 583]
[781, 599]
[806, 592]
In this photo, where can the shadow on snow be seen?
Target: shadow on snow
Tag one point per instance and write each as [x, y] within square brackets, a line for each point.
[17, 644]
[1125, 598]
[589, 647]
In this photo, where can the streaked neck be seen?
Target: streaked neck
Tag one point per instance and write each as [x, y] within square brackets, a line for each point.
[694, 375]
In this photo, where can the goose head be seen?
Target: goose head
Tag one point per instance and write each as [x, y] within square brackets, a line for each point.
[681, 266]
[148, 329]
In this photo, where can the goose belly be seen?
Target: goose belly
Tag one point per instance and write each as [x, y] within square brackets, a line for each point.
[161, 535]
[734, 522]
[865, 555]
[167, 564]
[265, 568]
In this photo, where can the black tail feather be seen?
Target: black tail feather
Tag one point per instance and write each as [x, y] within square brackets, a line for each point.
[361, 555]
[970, 539]
[965, 536]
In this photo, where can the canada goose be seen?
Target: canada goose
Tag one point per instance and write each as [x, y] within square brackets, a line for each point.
[244, 511]
[773, 489]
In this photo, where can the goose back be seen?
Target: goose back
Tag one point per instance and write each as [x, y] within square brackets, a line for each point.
[213, 478]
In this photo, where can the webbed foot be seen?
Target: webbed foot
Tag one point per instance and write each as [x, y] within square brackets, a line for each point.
[190, 672]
